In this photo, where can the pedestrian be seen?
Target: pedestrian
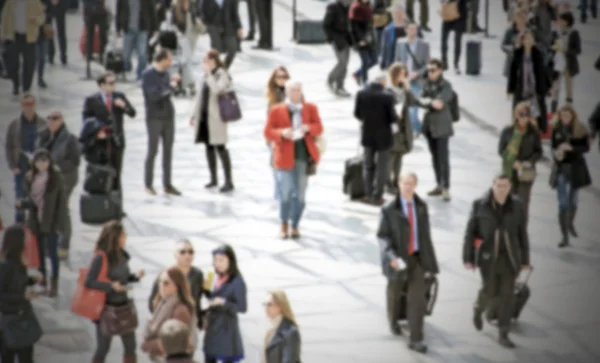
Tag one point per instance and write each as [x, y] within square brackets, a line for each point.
[594, 122]
[264, 15]
[512, 39]
[58, 9]
[293, 127]
[381, 18]
[45, 201]
[63, 146]
[15, 297]
[173, 301]
[282, 341]
[184, 259]
[95, 15]
[438, 126]
[363, 38]
[276, 95]
[21, 138]
[188, 32]
[110, 255]
[407, 257]
[403, 133]
[528, 79]
[136, 21]
[498, 220]
[458, 26]
[252, 18]
[41, 47]
[414, 53]
[393, 32]
[570, 142]
[174, 338]
[424, 13]
[223, 338]
[209, 127]
[20, 23]
[545, 16]
[336, 27]
[520, 148]
[374, 109]
[584, 6]
[224, 27]
[157, 87]
[473, 21]
[566, 64]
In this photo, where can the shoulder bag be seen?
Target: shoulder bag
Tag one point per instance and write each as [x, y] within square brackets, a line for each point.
[449, 11]
[118, 320]
[21, 330]
[527, 173]
[229, 107]
[89, 303]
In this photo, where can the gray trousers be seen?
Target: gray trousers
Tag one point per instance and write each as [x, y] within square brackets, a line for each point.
[337, 76]
[159, 130]
[375, 173]
[103, 343]
[224, 43]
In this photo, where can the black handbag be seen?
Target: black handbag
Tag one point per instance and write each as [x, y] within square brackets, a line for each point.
[21, 330]
[99, 179]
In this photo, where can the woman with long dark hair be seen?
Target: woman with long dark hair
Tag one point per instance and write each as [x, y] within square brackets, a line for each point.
[363, 37]
[110, 249]
[209, 127]
[46, 201]
[227, 292]
[173, 301]
[14, 297]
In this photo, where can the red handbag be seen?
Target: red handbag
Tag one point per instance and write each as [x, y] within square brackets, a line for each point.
[89, 303]
[31, 253]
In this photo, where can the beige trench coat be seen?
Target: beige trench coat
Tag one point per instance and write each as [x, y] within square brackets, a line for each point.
[217, 83]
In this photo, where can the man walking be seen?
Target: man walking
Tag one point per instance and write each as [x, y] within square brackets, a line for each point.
[374, 108]
[222, 19]
[58, 9]
[157, 87]
[498, 220]
[95, 16]
[414, 53]
[407, 256]
[336, 27]
[437, 125]
[64, 148]
[21, 138]
[424, 13]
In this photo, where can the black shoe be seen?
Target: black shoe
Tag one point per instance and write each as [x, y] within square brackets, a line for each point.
[505, 341]
[171, 190]
[436, 192]
[42, 84]
[396, 329]
[477, 320]
[51, 62]
[123, 215]
[418, 347]
[228, 187]
[260, 46]
[212, 184]
[63, 61]
[249, 37]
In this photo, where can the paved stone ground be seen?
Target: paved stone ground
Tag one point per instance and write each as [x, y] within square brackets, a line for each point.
[332, 275]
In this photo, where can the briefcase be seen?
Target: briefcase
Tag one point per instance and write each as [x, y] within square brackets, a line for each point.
[310, 32]
[474, 57]
[99, 179]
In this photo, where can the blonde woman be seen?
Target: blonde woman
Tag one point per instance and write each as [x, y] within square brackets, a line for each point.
[570, 141]
[282, 341]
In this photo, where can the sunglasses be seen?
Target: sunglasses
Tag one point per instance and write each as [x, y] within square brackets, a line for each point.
[283, 77]
[186, 252]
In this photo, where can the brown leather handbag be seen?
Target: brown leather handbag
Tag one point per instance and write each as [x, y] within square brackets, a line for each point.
[118, 320]
[48, 31]
[449, 11]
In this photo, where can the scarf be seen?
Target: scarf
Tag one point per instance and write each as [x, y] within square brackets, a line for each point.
[270, 334]
[38, 191]
[162, 313]
[219, 281]
[360, 11]
[510, 154]
[296, 111]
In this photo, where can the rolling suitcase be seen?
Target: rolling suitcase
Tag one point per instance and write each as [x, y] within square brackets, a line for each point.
[95, 46]
[522, 294]
[96, 209]
[474, 57]
[99, 179]
[310, 32]
[353, 184]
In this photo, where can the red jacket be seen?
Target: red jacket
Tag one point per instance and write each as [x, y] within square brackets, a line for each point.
[283, 149]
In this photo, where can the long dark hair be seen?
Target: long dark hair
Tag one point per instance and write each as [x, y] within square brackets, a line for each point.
[108, 241]
[227, 251]
[41, 154]
[13, 244]
[182, 284]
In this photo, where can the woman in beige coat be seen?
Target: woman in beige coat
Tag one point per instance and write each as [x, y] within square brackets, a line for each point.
[209, 127]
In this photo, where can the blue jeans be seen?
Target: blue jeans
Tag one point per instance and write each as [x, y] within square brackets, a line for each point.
[414, 111]
[292, 190]
[274, 172]
[567, 196]
[138, 40]
[48, 243]
[20, 194]
[41, 48]
[584, 5]
[368, 59]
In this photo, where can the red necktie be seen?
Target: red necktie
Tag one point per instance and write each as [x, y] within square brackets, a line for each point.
[411, 221]
[109, 102]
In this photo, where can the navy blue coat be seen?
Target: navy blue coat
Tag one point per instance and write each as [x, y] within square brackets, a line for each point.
[223, 339]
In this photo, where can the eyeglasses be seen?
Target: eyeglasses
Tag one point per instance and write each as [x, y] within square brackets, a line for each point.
[186, 252]
[282, 77]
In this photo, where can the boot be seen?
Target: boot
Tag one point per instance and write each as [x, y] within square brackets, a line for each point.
[226, 162]
[211, 158]
[505, 341]
[53, 288]
[129, 359]
[563, 220]
[478, 319]
[572, 214]
[284, 231]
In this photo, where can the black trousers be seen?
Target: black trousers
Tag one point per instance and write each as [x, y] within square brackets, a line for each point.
[24, 355]
[446, 29]
[440, 159]
[375, 172]
[498, 292]
[251, 8]
[264, 12]
[59, 12]
[224, 43]
[22, 58]
[91, 22]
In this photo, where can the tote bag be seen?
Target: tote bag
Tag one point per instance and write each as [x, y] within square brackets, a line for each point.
[21, 330]
[89, 303]
[31, 252]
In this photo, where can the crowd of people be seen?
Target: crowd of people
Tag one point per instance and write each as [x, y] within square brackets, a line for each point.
[409, 98]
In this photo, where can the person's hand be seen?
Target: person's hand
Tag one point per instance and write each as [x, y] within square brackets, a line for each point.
[394, 264]
[119, 103]
[437, 104]
[117, 287]
[16, 171]
[305, 128]
[217, 301]
[101, 135]
[141, 274]
[517, 165]
[567, 147]
[240, 33]
[470, 266]
[287, 133]
[413, 76]
[176, 77]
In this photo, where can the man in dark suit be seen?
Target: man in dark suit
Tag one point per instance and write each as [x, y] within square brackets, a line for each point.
[264, 13]
[252, 15]
[374, 108]
[109, 106]
[498, 220]
[58, 9]
[222, 19]
[95, 16]
[407, 256]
